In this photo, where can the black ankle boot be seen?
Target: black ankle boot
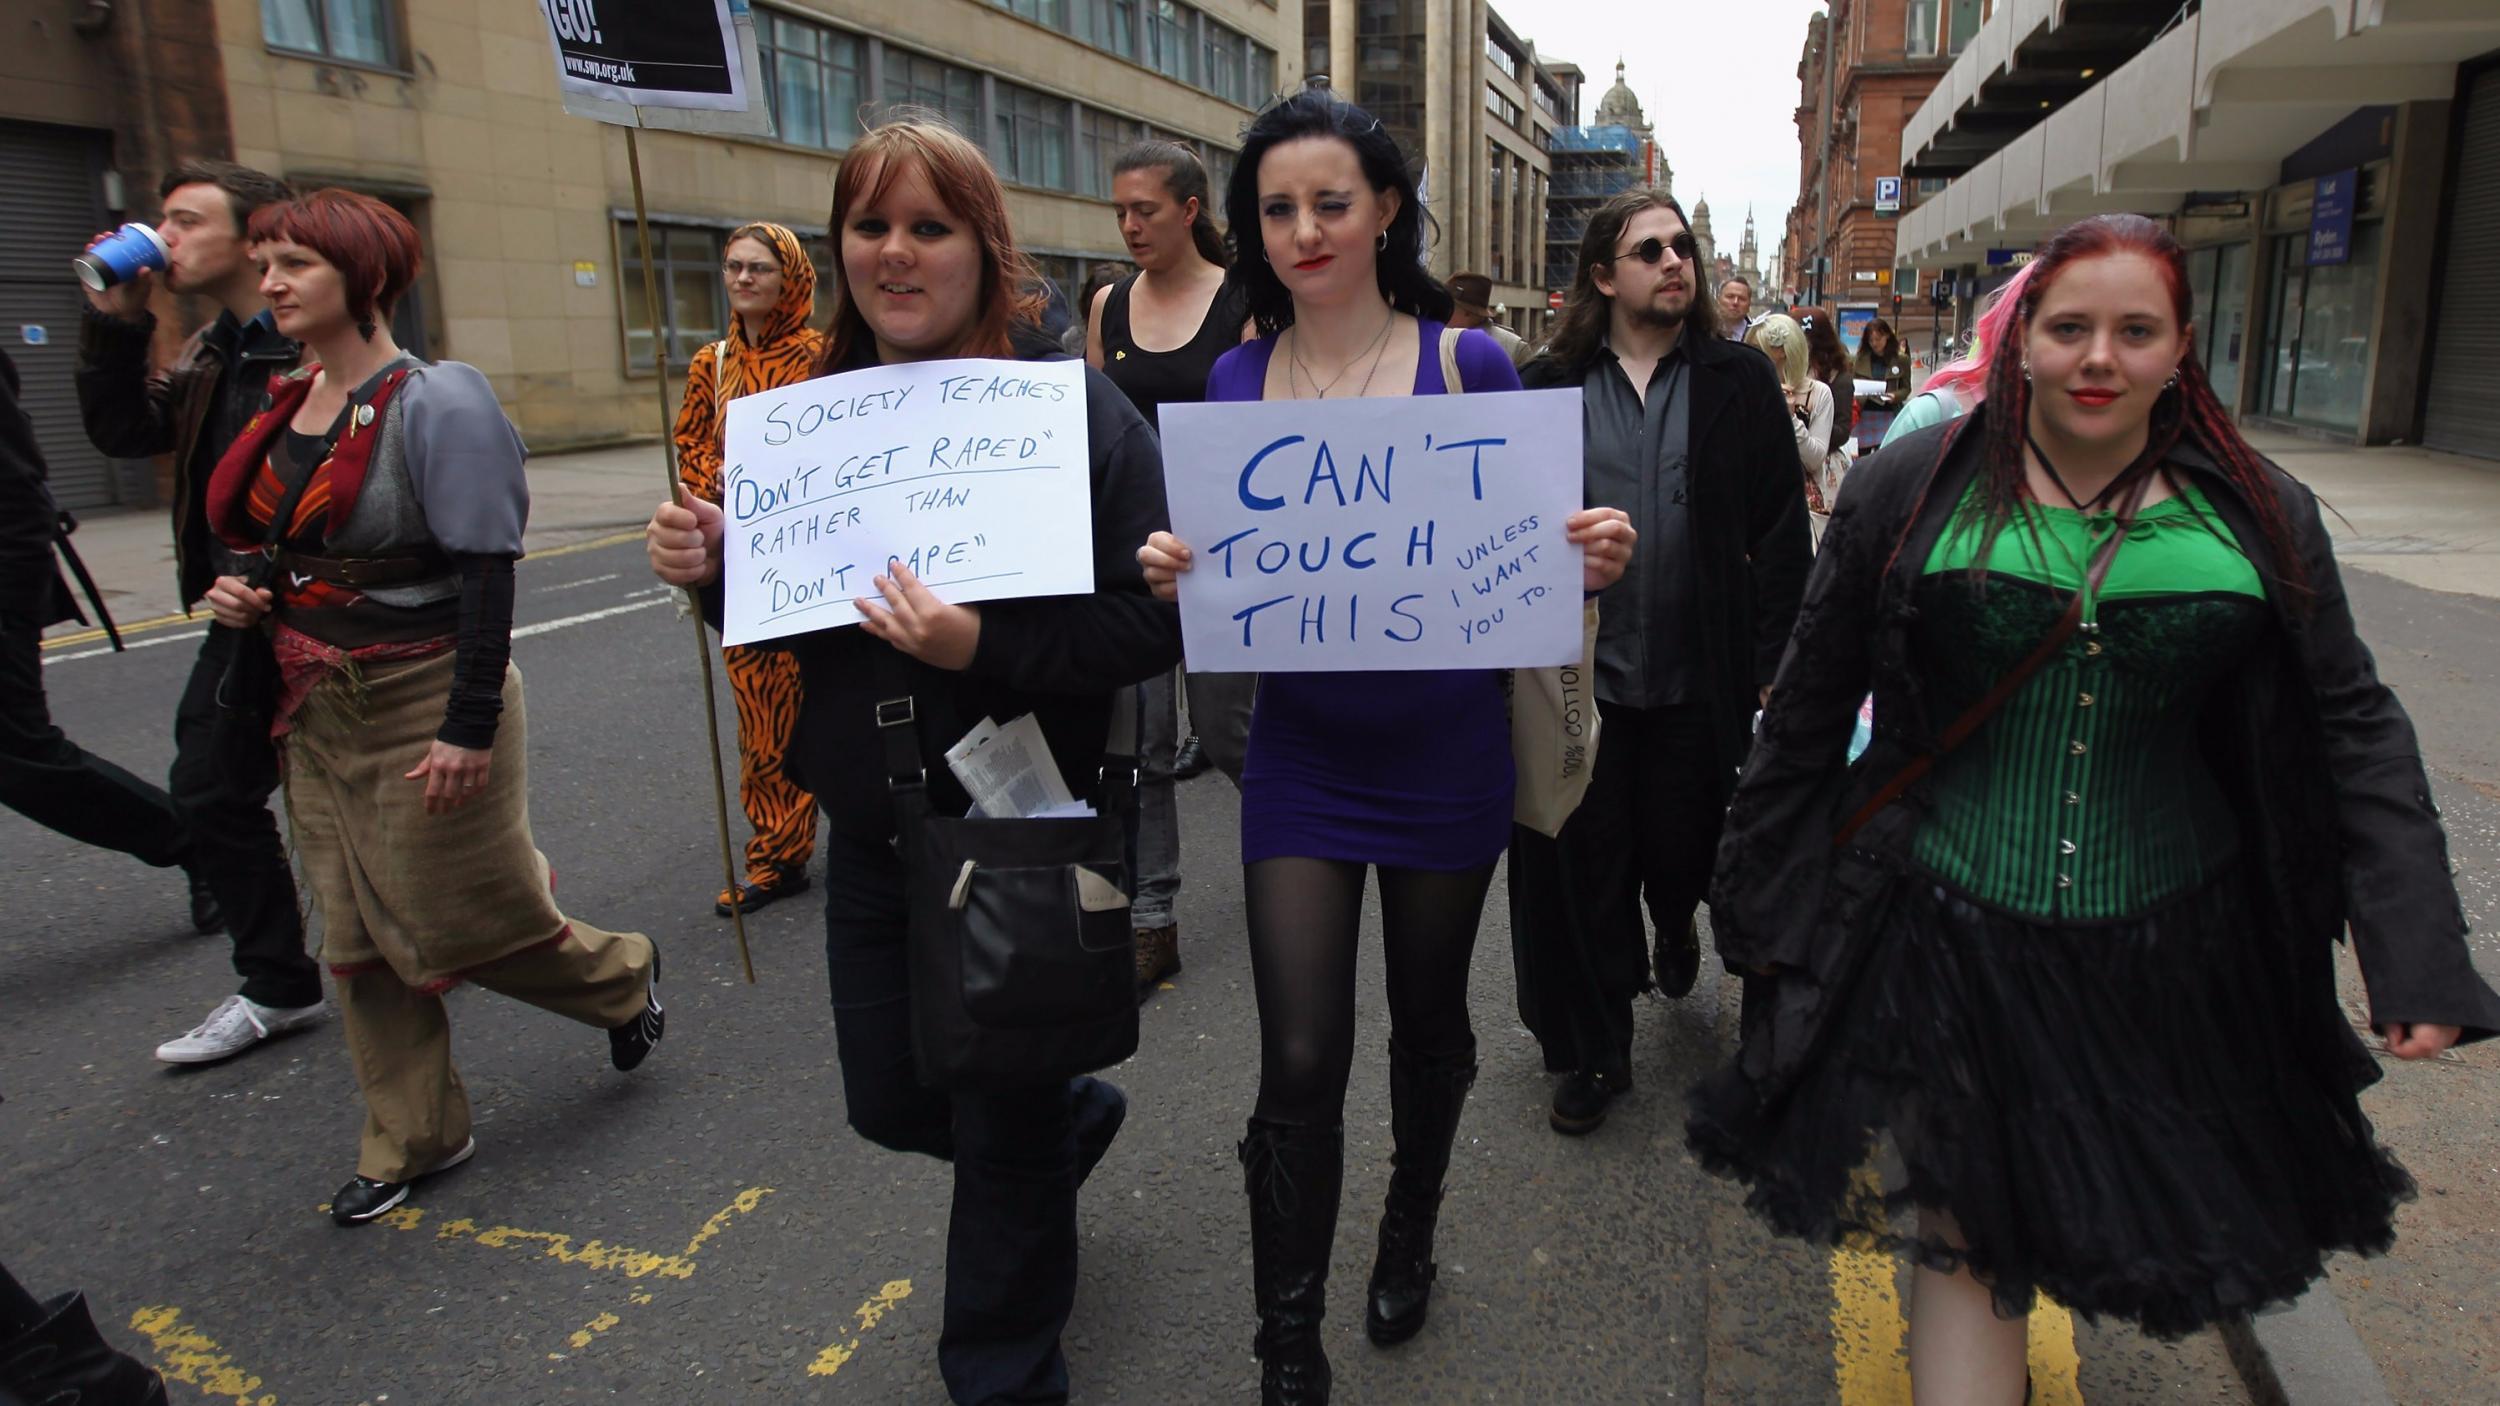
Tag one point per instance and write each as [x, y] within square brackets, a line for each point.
[64, 1360]
[1293, 1176]
[1426, 1095]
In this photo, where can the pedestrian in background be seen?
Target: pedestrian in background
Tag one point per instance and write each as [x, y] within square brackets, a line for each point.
[927, 269]
[1157, 335]
[2081, 966]
[1833, 369]
[1405, 772]
[43, 775]
[390, 498]
[1693, 433]
[772, 294]
[1471, 305]
[1778, 337]
[1074, 340]
[1962, 383]
[1881, 357]
[1735, 308]
[192, 410]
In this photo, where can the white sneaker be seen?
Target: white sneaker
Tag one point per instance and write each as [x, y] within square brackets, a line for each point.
[236, 1025]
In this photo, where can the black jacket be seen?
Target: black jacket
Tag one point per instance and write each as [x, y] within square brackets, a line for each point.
[2317, 756]
[31, 587]
[1747, 518]
[1056, 657]
[133, 411]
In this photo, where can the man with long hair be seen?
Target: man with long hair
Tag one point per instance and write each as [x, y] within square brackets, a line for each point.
[1690, 434]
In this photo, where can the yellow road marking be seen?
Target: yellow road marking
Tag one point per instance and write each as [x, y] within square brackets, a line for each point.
[556, 1245]
[747, 1201]
[869, 1313]
[1870, 1334]
[159, 622]
[594, 1328]
[188, 1355]
[744, 1202]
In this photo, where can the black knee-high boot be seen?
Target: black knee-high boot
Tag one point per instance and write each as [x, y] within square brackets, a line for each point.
[1293, 1176]
[1426, 1095]
[63, 1358]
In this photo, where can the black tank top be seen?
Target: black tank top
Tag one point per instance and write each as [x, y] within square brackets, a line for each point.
[1152, 378]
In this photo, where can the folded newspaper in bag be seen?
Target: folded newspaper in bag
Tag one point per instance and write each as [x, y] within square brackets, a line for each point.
[1010, 775]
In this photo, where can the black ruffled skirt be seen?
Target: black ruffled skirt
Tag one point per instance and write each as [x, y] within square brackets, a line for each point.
[2155, 1120]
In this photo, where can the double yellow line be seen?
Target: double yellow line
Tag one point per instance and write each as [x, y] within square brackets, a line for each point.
[72, 641]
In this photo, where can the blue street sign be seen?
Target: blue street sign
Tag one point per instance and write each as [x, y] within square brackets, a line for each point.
[2330, 218]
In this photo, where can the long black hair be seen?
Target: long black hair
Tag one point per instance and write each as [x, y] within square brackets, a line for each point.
[1317, 112]
[1185, 177]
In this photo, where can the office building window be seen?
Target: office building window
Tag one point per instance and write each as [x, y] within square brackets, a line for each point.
[2318, 352]
[1262, 75]
[1220, 162]
[1108, 25]
[1100, 136]
[1962, 21]
[1222, 56]
[1167, 40]
[1314, 38]
[358, 31]
[1502, 107]
[694, 309]
[1032, 138]
[1050, 12]
[1498, 168]
[811, 78]
[916, 80]
[1548, 102]
[1501, 58]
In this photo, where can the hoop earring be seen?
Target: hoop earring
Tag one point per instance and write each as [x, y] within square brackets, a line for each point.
[1382, 244]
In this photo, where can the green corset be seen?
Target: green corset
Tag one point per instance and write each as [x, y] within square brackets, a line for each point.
[2086, 796]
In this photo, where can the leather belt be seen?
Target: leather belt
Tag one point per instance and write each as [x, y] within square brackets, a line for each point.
[364, 573]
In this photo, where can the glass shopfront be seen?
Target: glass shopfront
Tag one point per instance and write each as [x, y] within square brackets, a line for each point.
[2318, 330]
[2218, 278]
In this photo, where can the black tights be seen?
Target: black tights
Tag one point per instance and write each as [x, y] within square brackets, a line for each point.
[1304, 918]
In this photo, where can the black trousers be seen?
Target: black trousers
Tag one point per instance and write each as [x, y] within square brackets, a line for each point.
[57, 784]
[1011, 1237]
[1644, 836]
[234, 836]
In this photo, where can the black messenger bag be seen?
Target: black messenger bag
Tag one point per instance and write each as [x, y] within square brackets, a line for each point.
[1023, 965]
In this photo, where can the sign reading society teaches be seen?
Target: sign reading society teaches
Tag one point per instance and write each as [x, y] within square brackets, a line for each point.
[975, 474]
[1411, 532]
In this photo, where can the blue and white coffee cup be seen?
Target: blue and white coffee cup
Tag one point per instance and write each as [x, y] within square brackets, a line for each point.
[118, 257]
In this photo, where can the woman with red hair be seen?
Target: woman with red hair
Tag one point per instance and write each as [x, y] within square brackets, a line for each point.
[387, 498]
[926, 269]
[2066, 932]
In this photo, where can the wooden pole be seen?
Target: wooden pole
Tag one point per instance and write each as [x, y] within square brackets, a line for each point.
[677, 494]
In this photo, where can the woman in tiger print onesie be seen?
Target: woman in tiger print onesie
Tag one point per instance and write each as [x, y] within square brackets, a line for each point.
[772, 293]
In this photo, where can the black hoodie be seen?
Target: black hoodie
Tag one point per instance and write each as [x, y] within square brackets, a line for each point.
[1057, 657]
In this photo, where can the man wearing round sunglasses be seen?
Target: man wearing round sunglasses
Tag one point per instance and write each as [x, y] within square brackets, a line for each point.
[1690, 433]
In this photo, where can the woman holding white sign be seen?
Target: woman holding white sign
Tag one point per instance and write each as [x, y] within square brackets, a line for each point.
[927, 270]
[1408, 772]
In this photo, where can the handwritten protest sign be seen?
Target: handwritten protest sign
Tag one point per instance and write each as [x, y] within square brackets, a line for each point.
[1421, 532]
[973, 473]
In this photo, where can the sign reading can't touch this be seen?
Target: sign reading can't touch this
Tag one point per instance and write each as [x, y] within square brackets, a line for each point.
[975, 474]
[1411, 532]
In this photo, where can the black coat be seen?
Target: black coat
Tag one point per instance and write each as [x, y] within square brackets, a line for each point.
[1746, 514]
[1056, 657]
[31, 587]
[2317, 756]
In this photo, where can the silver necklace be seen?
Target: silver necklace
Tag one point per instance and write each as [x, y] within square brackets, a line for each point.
[1293, 354]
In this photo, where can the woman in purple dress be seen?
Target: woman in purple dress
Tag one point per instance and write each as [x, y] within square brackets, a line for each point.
[1406, 772]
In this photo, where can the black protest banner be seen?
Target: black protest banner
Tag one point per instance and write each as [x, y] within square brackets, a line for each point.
[648, 53]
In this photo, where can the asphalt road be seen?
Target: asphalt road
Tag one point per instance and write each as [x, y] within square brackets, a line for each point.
[707, 1229]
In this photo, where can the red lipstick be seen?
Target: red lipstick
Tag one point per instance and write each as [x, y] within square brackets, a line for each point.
[2094, 397]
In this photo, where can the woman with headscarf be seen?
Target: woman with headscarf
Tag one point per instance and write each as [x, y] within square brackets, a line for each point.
[772, 293]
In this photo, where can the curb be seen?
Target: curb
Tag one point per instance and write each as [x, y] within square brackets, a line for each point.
[2304, 1354]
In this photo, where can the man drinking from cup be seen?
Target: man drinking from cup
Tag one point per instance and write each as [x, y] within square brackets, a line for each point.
[193, 409]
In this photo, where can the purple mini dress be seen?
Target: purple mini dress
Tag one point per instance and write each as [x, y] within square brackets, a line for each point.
[1407, 769]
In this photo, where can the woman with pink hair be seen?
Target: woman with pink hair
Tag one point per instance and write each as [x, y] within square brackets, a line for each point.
[1959, 385]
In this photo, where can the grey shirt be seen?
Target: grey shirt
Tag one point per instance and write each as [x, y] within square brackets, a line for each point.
[1648, 636]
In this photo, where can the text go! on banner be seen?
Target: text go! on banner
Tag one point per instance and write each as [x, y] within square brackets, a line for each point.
[1412, 532]
[975, 474]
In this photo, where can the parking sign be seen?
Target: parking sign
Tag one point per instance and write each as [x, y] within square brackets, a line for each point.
[1887, 195]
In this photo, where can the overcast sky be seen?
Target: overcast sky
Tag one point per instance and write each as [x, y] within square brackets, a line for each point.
[1718, 79]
